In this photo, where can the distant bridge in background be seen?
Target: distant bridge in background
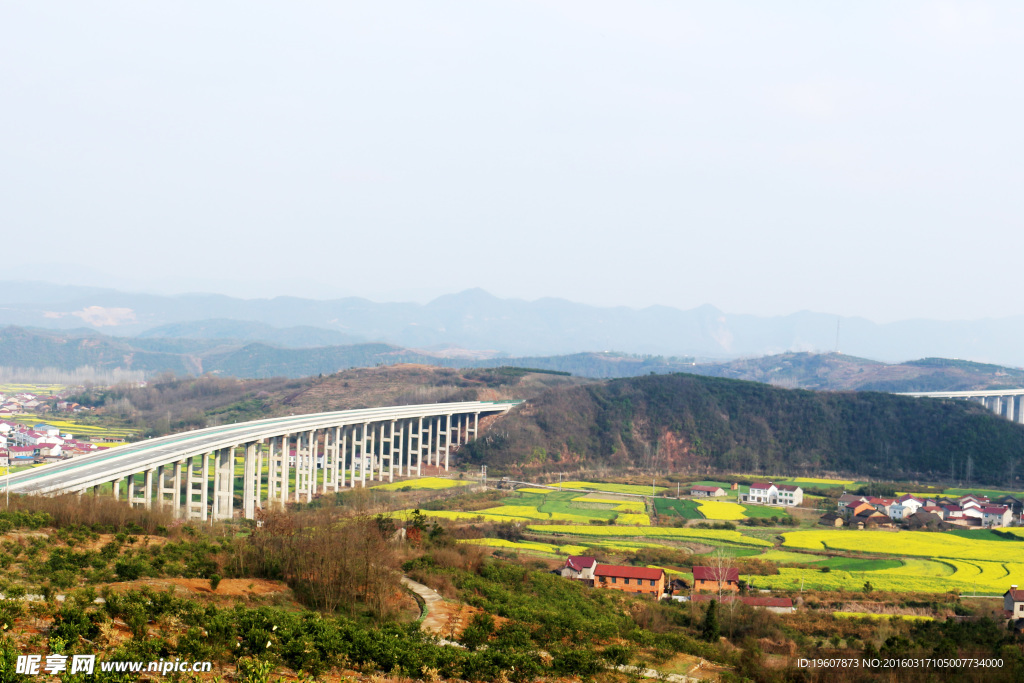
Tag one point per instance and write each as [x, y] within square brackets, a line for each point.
[193, 474]
[1008, 403]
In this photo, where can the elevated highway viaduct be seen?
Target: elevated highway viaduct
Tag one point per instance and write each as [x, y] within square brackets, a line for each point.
[193, 473]
[1008, 403]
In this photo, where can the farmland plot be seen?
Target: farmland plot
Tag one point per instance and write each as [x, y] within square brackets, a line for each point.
[681, 533]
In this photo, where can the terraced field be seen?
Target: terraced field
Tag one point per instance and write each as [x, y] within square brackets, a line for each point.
[912, 543]
[824, 482]
[423, 483]
[531, 546]
[114, 435]
[681, 533]
[669, 507]
[936, 563]
[720, 510]
[612, 488]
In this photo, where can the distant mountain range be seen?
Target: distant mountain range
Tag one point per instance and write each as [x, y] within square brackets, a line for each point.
[72, 350]
[488, 326]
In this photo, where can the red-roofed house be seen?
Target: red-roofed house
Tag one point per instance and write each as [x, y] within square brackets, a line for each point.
[580, 568]
[790, 494]
[779, 605]
[641, 580]
[849, 501]
[705, 491]
[714, 579]
[950, 511]
[883, 505]
[1013, 603]
[995, 515]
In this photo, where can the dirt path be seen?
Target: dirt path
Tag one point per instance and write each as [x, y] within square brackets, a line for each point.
[435, 617]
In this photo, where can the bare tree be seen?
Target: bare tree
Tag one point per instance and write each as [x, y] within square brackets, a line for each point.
[722, 566]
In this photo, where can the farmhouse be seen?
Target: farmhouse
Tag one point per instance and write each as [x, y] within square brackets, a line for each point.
[869, 517]
[995, 515]
[1013, 603]
[580, 568]
[849, 500]
[833, 519]
[640, 580]
[883, 505]
[714, 579]
[768, 493]
[706, 491]
[860, 509]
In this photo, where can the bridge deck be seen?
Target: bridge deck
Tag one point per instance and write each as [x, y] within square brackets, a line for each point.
[105, 466]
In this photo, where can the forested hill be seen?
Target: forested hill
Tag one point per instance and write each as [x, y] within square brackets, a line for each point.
[688, 423]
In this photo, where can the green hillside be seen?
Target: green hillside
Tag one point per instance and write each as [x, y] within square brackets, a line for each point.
[685, 422]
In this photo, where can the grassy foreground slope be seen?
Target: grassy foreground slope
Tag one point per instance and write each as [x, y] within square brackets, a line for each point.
[680, 422]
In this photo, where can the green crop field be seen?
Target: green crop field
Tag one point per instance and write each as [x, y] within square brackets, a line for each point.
[764, 512]
[821, 482]
[669, 507]
[991, 493]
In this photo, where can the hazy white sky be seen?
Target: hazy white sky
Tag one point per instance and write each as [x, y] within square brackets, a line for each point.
[856, 158]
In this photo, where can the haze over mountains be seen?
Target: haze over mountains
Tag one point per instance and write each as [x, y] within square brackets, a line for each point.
[485, 325]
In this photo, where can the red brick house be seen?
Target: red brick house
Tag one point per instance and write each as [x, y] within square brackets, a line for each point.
[641, 580]
[713, 579]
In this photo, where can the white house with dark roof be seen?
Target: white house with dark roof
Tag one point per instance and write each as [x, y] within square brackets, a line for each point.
[996, 515]
[763, 492]
[769, 493]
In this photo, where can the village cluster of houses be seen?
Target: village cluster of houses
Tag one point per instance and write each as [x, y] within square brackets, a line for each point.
[41, 443]
[708, 583]
[967, 511]
[19, 403]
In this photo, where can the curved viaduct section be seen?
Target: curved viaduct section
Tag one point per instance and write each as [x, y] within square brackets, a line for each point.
[304, 455]
[1008, 403]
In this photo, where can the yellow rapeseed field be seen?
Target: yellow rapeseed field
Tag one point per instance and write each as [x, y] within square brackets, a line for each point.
[681, 533]
[716, 509]
[424, 483]
[919, 543]
[620, 505]
[610, 488]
